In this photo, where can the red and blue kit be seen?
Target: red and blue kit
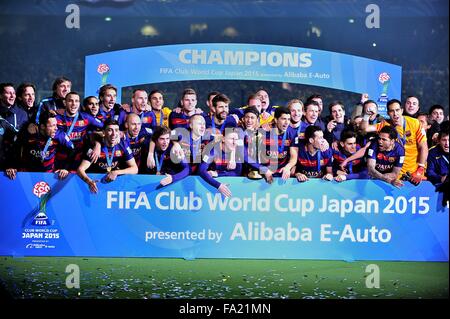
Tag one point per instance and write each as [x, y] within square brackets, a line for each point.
[356, 169]
[194, 150]
[148, 120]
[218, 161]
[180, 120]
[76, 128]
[386, 160]
[139, 146]
[38, 152]
[111, 158]
[313, 166]
[113, 113]
[216, 129]
[165, 165]
[275, 151]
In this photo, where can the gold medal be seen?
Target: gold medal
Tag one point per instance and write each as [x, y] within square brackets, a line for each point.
[158, 173]
[108, 169]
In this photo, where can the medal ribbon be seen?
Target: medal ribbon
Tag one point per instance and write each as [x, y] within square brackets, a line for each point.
[159, 162]
[109, 159]
[75, 119]
[47, 145]
[283, 141]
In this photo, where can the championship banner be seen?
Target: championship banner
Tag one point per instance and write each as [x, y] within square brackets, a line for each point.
[131, 217]
[257, 62]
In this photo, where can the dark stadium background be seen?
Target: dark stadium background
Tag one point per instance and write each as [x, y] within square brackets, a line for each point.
[37, 47]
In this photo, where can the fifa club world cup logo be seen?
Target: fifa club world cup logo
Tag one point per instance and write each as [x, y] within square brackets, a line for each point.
[42, 191]
[103, 70]
[384, 79]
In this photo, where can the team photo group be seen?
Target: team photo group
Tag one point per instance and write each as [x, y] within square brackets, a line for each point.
[68, 134]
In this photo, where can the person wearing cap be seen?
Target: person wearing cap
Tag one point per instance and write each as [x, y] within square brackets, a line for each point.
[252, 138]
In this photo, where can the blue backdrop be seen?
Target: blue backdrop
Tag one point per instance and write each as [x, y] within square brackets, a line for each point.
[355, 220]
[227, 61]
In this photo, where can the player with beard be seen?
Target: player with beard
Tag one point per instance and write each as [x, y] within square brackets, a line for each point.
[279, 154]
[312, 162]
[116, 158]
[220, 119]
[36, 152]
[412, 137]
[179, 123]
[385, 157]
[188, 108]
[209, 103]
